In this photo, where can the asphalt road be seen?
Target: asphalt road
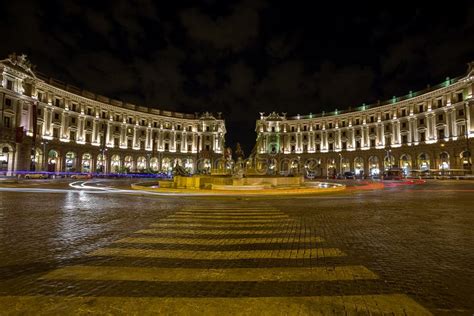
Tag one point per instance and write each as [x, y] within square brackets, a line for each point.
[406, 249]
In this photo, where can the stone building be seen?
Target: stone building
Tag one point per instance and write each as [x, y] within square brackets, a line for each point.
[47, 125]
[424, 132]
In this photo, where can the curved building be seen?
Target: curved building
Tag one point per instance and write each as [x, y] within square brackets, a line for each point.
[47, 125]
[424, 132]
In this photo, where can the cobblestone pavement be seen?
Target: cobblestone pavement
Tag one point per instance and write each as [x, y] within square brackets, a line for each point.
[404, 250]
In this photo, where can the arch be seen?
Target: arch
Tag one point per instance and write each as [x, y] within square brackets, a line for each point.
[389, 162]
[405, 163]
[53, 158]
[70, 161]
[166, 164]
[154, 164]
[86, 165]
[6, 158]
[141, 164]
[100, 163]
[466, 159]
[345, 165]
[128, 164]
[443, 161]
[359, 166]
[331, 167]
[423, 162]
[115, 164]
[374, 167]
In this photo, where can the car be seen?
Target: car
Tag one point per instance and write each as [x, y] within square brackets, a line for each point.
[81, 176]
[36, 176]
[349, 175]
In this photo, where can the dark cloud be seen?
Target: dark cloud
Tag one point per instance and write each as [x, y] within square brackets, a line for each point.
[242, 57]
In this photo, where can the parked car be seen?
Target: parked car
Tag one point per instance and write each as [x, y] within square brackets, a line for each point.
[36, 176]
[349, 175]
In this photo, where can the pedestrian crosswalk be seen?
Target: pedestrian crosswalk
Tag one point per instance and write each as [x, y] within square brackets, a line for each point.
[264, 235]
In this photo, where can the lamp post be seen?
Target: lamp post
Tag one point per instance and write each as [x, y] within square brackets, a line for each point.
[340, 164]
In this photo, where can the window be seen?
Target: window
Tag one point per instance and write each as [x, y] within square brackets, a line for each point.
[404, 139]
[343, 134]
[178, 127]
[55, 132]
[461, 112]
[73, 136]
[330, 125]
[371, 119]
[88, 124]
[57, 102]
[167, 146]
[292, 128]
[372, 143]
[117, 118]
[143, 122]
[387, 116]
[292, 138]
[40, 96]
[154, 124]
[178, 147]
[189, 147]
[318, 147]
[88, 138]
[317, 136]
[273, 128]
[344, 145]
[331, 146]
[404, 112]
[293, 148]
[116, 128]
[130, 121]
[357, 121]
[89, 111]
[208, 148]
[330, 135]
[358, 132]
[317, 126]
[404, 124]
[372, 130]
[208, 128]
[441, 134]
[74, 106]
[6, 122]
[440, 103]
[8, 102]
[343, 123]
[358, 144]
[9, 84]
[459, 96]
[422, 121]
[103, 114]
[56, 116]
[422, 136]
[190, 128]
[440, 117]
[73, 120]
[420, 108]
[305, 137]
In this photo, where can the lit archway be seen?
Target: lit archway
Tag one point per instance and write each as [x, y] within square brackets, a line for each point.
[86, 162]
[166, 165]
[100, 164]
[345, 165]
[115, 163]
[154, 164]
[423, 162]
[405, 163]
[444, 161]
[53, 157]
[374, 167]
[70, 165]
[128, 164]
[141, 164]
[359, 166]
[331, 167]
[189, 165]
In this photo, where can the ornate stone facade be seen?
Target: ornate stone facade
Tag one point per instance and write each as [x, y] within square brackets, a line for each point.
[423, 132]
[51, 126]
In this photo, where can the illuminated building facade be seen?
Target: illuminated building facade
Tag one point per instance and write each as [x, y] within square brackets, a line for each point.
[425, 132]
[47, 125]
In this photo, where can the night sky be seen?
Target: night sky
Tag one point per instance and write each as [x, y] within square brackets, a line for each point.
[242, 57]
